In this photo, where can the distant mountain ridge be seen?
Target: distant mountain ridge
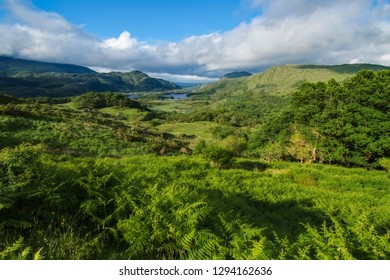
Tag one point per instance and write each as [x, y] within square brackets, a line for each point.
[24, 78]
[13, 67]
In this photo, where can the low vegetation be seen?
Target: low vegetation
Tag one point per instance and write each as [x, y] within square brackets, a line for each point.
[273, 176]
[152, 207]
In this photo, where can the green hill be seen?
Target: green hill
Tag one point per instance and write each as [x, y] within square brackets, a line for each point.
[247, 101]
[12, 67]
[22, 78]
[346, 123]
[234, 75]
[285, 79]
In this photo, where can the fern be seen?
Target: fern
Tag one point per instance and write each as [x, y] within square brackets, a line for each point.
[328, 243]
[242, 241]
[166, 225]
[16, 251]
[38, 255]
[17, 224]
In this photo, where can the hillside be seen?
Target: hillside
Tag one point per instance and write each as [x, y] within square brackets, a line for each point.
[234, 75]
[22, 78]
[12, 67]
[281, 80]
[247, 101]
[344, 123]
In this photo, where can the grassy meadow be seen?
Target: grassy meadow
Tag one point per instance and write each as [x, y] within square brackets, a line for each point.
[180, 207]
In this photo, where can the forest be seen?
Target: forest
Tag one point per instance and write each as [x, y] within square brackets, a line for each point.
[237, 171]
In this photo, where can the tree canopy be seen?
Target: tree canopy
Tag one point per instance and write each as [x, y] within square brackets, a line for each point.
[346, 122]
[102, 100]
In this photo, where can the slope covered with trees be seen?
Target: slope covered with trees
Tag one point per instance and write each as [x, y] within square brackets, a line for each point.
[23, 78]
[246, 101]
[336, 122]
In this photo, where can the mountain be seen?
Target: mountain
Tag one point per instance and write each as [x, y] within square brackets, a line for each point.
[248, 101]
[234, 75]
[23, 78]
[282, 80]
[12, 67]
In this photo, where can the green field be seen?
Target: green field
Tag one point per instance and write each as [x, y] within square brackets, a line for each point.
[203, 130]
[152, 207]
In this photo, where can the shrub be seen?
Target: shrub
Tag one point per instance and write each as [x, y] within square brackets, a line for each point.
[385, 163]
[220, 157]
[101, 100]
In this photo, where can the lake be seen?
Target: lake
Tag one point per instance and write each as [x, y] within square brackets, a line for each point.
[178, 96]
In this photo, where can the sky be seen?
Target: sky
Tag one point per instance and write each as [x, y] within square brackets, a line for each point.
[195, 40]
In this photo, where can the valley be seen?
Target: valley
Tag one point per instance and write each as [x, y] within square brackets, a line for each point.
[290, 163]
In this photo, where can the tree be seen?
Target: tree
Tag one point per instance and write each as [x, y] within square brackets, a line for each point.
[346, 123]
[220, 157]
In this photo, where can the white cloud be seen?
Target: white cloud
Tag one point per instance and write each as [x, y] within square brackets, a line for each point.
[24, 11]
[123, 42]
[183, 78]
[286, 31]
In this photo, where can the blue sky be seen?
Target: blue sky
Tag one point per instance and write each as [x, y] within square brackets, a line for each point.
[152, 20]
[195, 40]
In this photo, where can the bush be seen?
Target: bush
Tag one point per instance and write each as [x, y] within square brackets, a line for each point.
[101, 100]
[385, 163]
[220, 157]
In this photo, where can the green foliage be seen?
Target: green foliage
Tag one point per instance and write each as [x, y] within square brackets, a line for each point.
[345, 123]
[168, 226]
[16, 251]
[236, 144]
[220, 132]
[49, 100]
[102, 100]
[220, 157]
[5, 99]
[90, 185]
[79, 133]
[385, 163]
[150, 207]
[242, 241]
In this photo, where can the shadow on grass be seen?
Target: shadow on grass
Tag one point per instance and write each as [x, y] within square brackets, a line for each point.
[8, 140]
[250, 165]
[285, 217]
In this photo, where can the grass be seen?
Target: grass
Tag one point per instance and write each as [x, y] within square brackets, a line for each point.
[98, 189]
[77, 132]
[170, 105]
[128, 114]
[175, 206]
[202, 130]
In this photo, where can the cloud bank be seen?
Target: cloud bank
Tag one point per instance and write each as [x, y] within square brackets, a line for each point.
[285, 31]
